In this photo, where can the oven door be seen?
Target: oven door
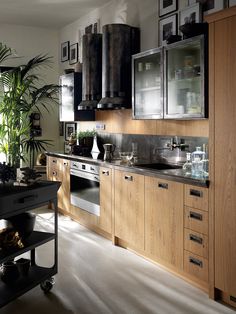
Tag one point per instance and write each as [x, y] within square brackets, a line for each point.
[84, 191]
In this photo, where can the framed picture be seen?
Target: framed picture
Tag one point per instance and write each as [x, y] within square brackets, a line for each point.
[191, 14]
[65, 51]
[73, 53]
[232, 3]
[210, 6]
[167, 27]
[167, 6]
[69, 128]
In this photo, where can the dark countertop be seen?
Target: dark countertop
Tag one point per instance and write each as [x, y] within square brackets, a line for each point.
[168, 174]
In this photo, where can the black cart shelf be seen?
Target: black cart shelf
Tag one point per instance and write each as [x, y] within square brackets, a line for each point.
[13, 201]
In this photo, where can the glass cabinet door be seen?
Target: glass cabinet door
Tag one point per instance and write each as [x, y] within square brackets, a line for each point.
[147, 85]
[184, 79]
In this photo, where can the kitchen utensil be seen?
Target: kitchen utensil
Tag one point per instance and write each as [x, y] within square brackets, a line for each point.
[108, 151]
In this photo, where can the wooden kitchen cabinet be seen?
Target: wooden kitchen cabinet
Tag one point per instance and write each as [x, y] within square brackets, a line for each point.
[58, 169]
[105, 222]
[164, 220]
[222, 52]
[129, 208]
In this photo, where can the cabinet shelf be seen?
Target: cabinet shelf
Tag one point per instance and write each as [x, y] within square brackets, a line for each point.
[189, 79]
[35, 276]
[147, 89]
[37, 238]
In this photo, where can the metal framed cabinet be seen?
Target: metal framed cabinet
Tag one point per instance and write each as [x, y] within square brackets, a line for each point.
[15, 200]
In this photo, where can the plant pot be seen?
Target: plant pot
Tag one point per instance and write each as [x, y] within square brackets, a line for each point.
[86, 142]
[9, 272]
[23, 223]
[23, 265]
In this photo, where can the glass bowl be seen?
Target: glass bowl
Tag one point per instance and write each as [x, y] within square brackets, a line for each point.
[126, 156]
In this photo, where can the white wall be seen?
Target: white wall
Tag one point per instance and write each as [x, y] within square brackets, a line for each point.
[29, 42]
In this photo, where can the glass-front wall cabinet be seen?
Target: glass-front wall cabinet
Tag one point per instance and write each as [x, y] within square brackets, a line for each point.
[147, 85]
[169, 82]
[184, 79]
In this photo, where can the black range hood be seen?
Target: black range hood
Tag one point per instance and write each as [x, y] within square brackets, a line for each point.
[120, 41]
[92, 71]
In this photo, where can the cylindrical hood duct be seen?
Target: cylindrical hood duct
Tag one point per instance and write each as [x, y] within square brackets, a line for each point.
[92, 71]
[120, 41]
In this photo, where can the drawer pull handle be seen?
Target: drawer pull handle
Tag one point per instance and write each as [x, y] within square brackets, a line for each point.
[196, 216]
[54, 161]
[194, 238]
[196, 193]
[232, 298]
[65, 163]
[129, 178]
[105, 172]
[54, 173]
[91, 168]
[195, 261]
[28, 198]
[163, 185]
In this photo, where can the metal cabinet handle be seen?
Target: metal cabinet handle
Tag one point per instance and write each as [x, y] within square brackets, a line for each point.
[54, 161]
[96, 178]
[162, 185]
[196, 193]
[128, 178]
[196, 216]
[65, 163]
[91, 168]
[194, 238]
[54, 173]
[105, 172]
[28, 198]
[195, 261]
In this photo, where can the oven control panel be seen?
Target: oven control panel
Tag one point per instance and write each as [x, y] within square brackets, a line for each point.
[78, 165]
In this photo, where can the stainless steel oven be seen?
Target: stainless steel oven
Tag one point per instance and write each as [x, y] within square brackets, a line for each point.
[84, 187]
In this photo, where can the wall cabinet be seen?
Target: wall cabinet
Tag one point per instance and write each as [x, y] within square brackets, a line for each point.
[164, 220]
[129, 208]
[222, 65]
[59, 170]
[105, 222]
[70, 98]
[170, 82]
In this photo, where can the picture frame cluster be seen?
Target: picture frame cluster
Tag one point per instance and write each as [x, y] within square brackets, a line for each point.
[69, 52]
[170, 18]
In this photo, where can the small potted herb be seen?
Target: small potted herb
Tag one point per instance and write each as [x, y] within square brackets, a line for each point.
[85, 138]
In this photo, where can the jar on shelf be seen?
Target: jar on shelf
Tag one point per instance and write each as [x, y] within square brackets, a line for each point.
[198, 158]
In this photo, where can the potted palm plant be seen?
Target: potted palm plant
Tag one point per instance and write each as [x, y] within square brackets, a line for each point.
[22, 94]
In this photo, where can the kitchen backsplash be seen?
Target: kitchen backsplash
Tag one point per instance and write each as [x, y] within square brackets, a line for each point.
[153, 147]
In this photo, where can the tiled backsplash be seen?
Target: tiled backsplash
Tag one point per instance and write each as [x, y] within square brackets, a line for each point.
[152, 147]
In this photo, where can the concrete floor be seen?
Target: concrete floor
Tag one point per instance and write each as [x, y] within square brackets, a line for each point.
[96, 277]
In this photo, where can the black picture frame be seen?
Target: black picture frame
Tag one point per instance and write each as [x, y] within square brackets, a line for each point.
[167, 6]
[167, 27]
[73, 53]
[69, 128]
[191, 14]
[65, 53]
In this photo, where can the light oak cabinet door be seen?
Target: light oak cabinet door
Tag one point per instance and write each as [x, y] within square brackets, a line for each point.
[105, 199]
[129, 208]
[164, 220]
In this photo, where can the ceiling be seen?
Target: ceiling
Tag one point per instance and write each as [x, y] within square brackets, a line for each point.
[45, 13]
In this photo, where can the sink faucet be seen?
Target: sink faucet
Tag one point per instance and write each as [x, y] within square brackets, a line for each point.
[175, 143]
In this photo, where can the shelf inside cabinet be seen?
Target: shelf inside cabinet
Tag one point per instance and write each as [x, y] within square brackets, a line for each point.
[35, 276]
[147, 89]
[183, 80]
[37, 238]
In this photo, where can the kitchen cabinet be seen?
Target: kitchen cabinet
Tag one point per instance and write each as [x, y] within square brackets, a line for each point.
[105, 222]
[59, 170]
[222, 51]
[129, 208]
[171, 82]
[70, 97]
[164, 220]
[147, 85]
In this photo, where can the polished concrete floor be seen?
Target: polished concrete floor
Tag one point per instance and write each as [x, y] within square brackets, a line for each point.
[98, 278]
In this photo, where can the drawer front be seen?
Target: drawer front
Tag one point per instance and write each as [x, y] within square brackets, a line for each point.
[196, 197]
[196, 220]
[196, 266]
[196, 242]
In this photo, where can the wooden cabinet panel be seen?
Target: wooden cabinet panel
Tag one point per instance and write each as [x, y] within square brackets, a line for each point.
[196, 266]
[105, 199]
[196, 242]
[129, 208]
[196, 197]
[196, 219]
[164, 220]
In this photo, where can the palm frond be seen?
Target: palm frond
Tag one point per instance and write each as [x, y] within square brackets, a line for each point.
[5, 52]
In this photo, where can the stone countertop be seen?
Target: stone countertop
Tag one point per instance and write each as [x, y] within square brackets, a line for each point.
[167, 174]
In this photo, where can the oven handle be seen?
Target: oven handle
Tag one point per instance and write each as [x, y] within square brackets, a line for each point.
[84, 175]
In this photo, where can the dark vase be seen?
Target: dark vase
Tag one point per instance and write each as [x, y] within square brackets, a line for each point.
[86, 142]
[9, 272]
[23, 223]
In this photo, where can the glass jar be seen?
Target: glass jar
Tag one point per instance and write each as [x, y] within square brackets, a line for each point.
[198, 158]
[187, 167]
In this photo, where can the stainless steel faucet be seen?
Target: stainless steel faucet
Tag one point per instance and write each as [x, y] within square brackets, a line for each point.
[176, 143]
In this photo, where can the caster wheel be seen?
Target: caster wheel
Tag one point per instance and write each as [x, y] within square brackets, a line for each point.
[47, 285]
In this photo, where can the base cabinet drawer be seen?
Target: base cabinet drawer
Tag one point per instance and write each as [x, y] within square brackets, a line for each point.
[196, 219]
[196, 242]
[196, 266]
[196, 197]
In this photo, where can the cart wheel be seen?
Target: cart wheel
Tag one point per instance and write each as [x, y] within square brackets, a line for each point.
[47, 285]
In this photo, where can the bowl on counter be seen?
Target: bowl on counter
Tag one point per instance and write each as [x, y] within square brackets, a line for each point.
[126, 156]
